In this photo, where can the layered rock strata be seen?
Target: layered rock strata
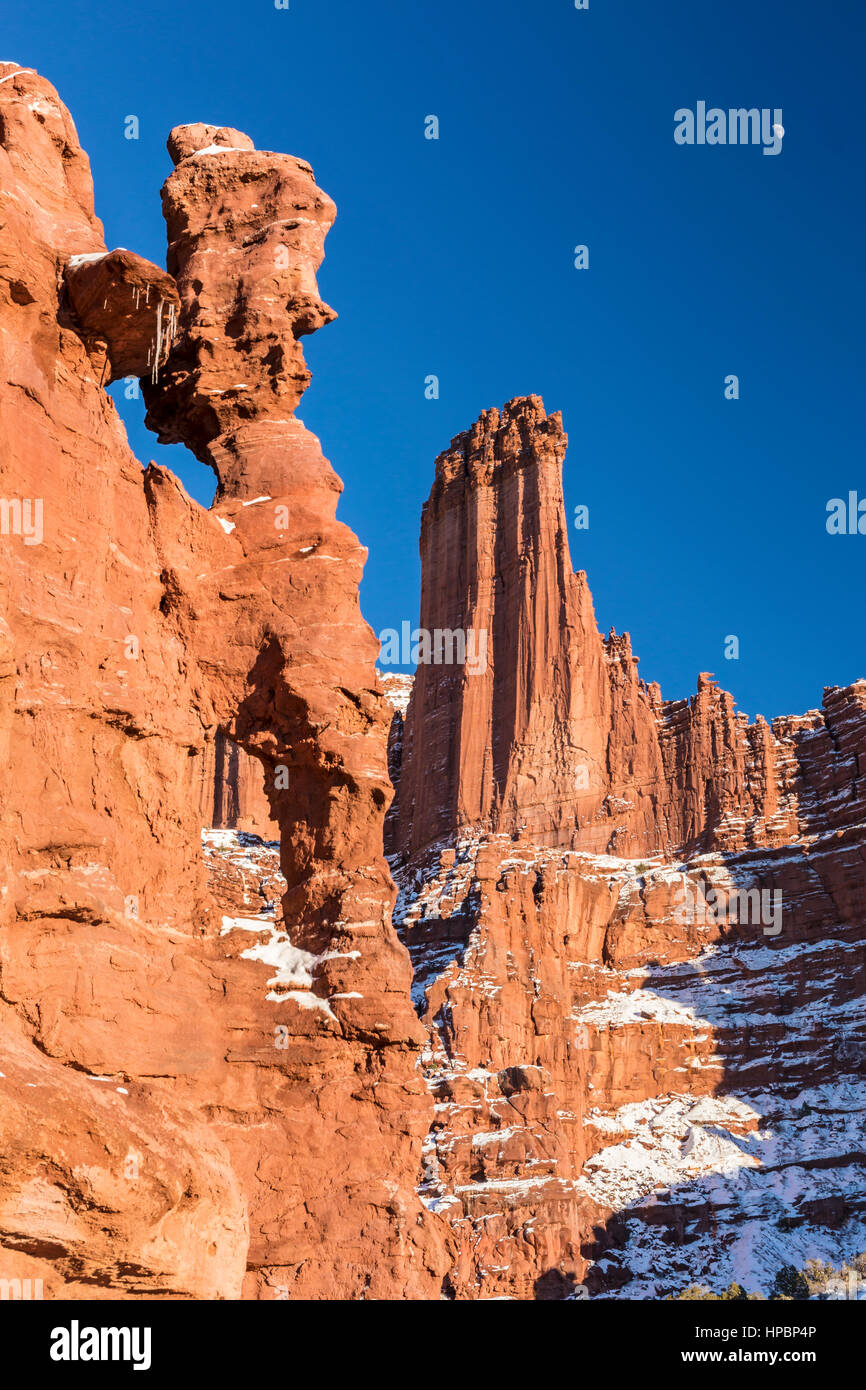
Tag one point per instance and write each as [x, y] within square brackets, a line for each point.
[636, 926]
[210, 1065]
[555, 735]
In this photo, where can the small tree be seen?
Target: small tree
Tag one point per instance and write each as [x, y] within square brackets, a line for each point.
[791, 1283]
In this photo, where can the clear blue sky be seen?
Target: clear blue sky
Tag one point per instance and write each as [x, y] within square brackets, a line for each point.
[707, 516]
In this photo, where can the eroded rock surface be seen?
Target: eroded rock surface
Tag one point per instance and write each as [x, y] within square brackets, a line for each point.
[554, 734]
[636, 926]
[128, 306]
[214, 1082]
[250, 1096]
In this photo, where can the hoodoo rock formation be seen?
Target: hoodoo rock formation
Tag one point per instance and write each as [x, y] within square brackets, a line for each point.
[205, 1092]
[613, 1035]
[636, 926]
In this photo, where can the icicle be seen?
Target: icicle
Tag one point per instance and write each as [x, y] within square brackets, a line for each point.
[158, 353]
[172, 323]
[137, 296]
[147, 296]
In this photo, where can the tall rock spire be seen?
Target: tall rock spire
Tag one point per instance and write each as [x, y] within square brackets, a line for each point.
[548, 732]
[517, 743]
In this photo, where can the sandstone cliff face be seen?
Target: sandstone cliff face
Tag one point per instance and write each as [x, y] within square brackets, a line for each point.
[204, 1096]
[214, 1082]
[639, 1085]
[555, 736]
[233, 794]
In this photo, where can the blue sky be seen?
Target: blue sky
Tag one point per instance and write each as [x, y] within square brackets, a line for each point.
[455, 257]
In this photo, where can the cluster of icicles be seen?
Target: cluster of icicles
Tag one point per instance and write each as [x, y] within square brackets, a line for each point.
[165, 333]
